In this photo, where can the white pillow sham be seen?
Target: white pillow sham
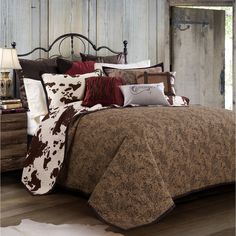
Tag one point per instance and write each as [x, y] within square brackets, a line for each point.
[63, 89]
[144, 94]
[36, 97]
[140, 64]
[33, 123]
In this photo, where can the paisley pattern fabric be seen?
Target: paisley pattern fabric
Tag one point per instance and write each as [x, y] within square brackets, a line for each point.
[134, 161]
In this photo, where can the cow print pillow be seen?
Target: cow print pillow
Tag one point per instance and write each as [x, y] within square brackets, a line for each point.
[63, 89]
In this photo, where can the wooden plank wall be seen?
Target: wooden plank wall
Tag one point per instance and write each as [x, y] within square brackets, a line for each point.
[106, 22]
[234, 58]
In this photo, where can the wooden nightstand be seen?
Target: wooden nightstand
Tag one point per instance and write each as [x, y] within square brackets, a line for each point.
[13, 140]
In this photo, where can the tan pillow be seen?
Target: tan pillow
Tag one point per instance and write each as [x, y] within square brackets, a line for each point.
[131, 76]
[168, 78]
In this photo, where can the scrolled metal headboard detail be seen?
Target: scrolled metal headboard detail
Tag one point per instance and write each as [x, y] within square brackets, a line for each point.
[72, 36]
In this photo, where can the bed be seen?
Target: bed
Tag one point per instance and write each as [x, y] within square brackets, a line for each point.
[133, 161]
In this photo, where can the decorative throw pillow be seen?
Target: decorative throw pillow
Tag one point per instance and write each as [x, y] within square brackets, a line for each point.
[75, 67]
[114, 59]
[33, 69]
[36, 97]
[131, 76]
[140, 64]
[144, 94]
[63, 89]
[104, 91]
[168, 78]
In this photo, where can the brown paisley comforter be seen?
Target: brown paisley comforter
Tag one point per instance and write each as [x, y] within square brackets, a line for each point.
[134, 161]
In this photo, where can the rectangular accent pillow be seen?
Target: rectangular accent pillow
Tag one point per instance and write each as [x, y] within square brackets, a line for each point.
[144, 94]
[140, 64]
[36, 97]
[131, 76]
[114, 59]
[168, 78]
[74, 67]
[64, 89]
[33, 69]
[104, 91]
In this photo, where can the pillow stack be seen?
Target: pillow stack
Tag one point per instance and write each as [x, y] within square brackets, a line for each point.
[51, 83]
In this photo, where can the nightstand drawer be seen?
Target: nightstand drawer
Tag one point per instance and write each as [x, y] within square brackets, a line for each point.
[12, 151]
[14, 121]
[12, 164]
[14, 136]
[13, 140]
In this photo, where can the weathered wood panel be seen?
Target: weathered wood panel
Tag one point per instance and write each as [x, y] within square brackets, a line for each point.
[110, 25]
[234, 57]
[2, 27]
[163, 31]
[198, 56]
[17, 23]
[66, 16]
[152, 31]
[201, 2]
[92, 23]
[43, 27]
[136, 29]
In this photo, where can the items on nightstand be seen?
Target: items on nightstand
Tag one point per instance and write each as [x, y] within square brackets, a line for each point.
[13, 138]
[10, 104]
[8, 60]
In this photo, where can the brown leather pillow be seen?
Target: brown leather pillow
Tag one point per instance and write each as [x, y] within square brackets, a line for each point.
[168, 78]
[114, 59]
[131, 76]
[33, 70]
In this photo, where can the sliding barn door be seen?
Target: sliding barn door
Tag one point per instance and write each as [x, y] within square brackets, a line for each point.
[197, 54]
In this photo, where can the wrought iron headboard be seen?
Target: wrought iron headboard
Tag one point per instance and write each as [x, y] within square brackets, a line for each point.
[72, 36]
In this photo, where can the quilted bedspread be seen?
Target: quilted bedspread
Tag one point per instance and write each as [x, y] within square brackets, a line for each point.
[133, 162]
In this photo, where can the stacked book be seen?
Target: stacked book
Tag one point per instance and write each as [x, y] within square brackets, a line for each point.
[10, 104]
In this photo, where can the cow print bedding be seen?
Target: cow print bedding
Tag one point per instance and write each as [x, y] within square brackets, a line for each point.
[63, 89]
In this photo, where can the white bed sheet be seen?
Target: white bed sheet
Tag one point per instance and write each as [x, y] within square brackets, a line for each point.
[32, 123]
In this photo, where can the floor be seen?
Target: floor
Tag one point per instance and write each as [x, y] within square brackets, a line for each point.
[211, 213]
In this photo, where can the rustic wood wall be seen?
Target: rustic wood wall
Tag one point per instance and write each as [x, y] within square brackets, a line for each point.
[106, 22]
[234, 58]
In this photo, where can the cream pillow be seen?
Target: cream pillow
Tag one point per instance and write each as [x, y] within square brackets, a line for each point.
[144, 94]
[36, 97]
[141, 64]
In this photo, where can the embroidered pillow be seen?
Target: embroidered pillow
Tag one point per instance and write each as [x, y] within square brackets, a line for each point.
[33, 69]
[144, 94]
[75, 67]
[63, 89]
[168, 78]
[104, 91]
[114, 59]
[131, 76]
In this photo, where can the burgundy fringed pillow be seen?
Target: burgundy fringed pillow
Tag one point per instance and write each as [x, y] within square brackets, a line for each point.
[75, 67]
[104, 91]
